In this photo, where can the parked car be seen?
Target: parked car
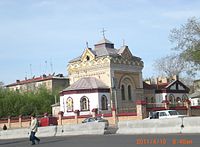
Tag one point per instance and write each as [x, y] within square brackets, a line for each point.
[164, 114]
[96, 119]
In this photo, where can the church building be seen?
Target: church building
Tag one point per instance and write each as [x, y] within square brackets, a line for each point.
[103, 78]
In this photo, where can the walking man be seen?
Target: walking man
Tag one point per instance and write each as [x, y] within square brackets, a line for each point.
[34, 127]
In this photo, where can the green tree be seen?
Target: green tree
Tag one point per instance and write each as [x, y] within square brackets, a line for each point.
[14, 103]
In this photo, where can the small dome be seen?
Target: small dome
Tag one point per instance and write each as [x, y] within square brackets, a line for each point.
[103, 41]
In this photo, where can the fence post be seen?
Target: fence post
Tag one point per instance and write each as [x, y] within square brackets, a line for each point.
[141, 109]
[166, 104]
[94, 112]
[76, 112]
[60, 115]
[114, 116]
[187, 103]
[20, 121]
[9, 121]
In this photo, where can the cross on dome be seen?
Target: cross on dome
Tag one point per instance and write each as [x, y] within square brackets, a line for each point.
[103, 32]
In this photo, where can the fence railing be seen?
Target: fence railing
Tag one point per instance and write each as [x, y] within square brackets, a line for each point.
[172, 105]
[126, 110]
[154, 105]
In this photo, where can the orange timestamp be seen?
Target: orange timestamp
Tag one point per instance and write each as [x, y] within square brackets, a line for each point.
[147, 141]
[182, 141]
[162, 141]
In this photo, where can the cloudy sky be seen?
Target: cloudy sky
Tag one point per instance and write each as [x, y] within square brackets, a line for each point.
[41, 36]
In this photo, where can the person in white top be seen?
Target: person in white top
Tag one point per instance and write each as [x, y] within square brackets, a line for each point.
[34, 128]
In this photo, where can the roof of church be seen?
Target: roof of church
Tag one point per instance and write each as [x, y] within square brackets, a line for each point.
[105, 52]
[87, 83]
[105, 48]
[104, 40]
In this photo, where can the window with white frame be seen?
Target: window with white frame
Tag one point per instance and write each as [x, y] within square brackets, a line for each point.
[69, 104]
[84, 102]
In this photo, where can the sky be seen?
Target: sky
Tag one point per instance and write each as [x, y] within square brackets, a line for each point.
[41, 36]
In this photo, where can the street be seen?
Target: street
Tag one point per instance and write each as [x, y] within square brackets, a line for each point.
[166, 140]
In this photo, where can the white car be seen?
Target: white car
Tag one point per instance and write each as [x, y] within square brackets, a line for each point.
[164, 114]
[96, 119]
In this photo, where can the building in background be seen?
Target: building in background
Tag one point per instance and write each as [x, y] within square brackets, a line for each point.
[51, 82]
[195, 96]
[164, 89]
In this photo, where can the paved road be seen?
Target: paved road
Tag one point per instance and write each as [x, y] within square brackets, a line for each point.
[176, 140]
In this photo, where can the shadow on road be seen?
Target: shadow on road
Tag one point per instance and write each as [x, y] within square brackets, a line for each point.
[111, 130]
[12, 142]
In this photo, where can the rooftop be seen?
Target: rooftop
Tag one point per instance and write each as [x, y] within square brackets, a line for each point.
[105, 48]
[87, 83]
[37, 79]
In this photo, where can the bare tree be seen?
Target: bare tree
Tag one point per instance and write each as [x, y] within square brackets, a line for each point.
[187, 40]
[170, 65]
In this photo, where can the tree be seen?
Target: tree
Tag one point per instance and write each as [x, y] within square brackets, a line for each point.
[170, 65]
[187, 39]
[14, 103]
[1, 84]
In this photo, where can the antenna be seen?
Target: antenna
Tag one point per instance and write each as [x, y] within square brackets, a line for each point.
[87, 44]
[51, 65]
[25, 75]
[40, 69]
[30, 65]
[45, 66]
[123, 42]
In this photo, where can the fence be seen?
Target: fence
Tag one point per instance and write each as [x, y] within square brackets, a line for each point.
[126, 110]
[155, 105]
[183, 108]
[122, 113]
[139, 110]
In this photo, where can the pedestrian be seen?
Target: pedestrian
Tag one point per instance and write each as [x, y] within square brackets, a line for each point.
[34, 128]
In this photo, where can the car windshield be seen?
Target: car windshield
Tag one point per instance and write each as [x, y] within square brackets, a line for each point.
[98, 118]
[173, 113]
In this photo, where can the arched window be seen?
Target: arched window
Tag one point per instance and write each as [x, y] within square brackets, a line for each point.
[123, 92]
[152, 100]
[178, 99]
[69, 104]
[198, 102]
[172, 99]
[104, 103]
[184, 97]
[146, 99]
[128, 88]
[84, 104]
[129, 92]
[87, 58]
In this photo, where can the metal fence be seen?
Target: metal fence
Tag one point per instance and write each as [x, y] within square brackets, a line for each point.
[173, 105]
[126, 110]
[154, 105]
